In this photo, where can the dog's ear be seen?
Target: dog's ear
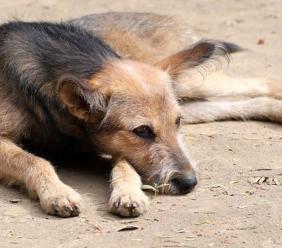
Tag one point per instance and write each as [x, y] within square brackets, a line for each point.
[84, 100]
[196, 55]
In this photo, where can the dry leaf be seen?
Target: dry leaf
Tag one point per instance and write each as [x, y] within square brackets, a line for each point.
[128, 228]
[14, 201]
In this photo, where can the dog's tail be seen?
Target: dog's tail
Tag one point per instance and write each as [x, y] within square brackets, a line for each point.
[231, 47]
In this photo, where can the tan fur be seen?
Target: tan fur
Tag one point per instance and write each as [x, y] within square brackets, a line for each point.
[39, 178]
[127, 198]
[182, 61]
[146, 91]
[263, 108]
[142, 36]
[190, 83]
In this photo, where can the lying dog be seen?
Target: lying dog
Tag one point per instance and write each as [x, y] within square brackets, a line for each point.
[151, 38]
[112, 83]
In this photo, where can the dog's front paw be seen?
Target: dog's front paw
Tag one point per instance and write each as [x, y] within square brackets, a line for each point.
[128, 204]
[60, 200]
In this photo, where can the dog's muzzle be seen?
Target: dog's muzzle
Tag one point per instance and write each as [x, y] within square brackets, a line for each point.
[184, 183]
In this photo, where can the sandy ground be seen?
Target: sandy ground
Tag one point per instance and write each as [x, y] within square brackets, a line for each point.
[225, 210]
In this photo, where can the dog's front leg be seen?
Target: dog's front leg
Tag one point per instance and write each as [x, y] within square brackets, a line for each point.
[40, 179]
[127, 198]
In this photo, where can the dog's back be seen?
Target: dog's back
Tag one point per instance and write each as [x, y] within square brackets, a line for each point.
[145, 37]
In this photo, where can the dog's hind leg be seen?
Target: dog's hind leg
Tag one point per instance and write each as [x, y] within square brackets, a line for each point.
[39, 178]
[191, 85]
[127, 199]
[260, 108]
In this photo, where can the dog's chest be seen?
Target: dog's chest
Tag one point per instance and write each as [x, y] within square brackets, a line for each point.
[49, 142]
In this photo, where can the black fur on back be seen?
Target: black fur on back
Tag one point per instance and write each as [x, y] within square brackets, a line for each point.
[34, 54]
[53, 49]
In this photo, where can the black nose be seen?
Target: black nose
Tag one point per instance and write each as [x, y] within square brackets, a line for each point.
[185, 184]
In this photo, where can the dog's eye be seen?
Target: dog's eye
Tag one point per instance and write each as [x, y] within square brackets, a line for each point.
[177, 122]
[144, 132]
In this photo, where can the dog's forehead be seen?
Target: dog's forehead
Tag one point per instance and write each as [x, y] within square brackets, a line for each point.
[138, 88]
[144, 74]
[144, 95]
[138, 78]
[145, 83]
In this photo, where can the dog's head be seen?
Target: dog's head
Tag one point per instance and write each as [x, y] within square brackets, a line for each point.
[130, 111]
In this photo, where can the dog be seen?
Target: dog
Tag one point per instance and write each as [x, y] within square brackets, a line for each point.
[150, 37]
[117, 84]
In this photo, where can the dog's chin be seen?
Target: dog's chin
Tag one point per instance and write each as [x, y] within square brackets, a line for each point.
[165, 189]
[171, 189]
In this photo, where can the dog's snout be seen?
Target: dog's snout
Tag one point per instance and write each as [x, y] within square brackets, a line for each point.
[185, 184]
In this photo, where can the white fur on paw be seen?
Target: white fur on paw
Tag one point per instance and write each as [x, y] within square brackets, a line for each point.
[128, 204]
[60, 200]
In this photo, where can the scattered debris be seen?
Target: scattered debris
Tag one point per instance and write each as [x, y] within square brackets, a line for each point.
[234, 22]
[260, 41]
[276, 181]
[152, 219]
[233, 182]
[156, 188]
[136, 239]
[264, 180]
[253, 180]
[96, 229]
[14, 201]
[247, 192]
[171, 241]
[128, 228]
[128, 222]
[148, 187]
[242, 228]
[214, 186]
[164, 236]
[239, 20]
[219, 188]
[190, 238]
[230, 149]
[209, 212]
[261, 180]
[263, 169]
[203, 222]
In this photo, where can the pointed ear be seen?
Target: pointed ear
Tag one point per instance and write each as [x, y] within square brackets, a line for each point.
[198, 54]
[84, 102]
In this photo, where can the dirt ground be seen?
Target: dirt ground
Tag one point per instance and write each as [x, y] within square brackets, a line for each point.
[225, 210]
